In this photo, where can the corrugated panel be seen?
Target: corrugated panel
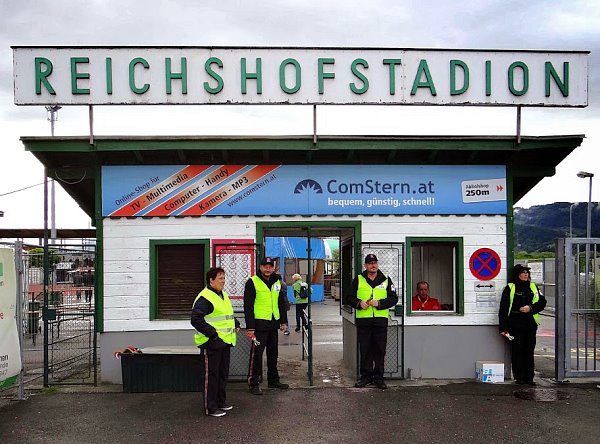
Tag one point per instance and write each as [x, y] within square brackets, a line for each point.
[180, 278]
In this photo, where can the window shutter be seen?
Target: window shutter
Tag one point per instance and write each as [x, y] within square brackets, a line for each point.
[180, 278]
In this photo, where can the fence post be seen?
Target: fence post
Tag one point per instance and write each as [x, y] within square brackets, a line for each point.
[559, 311]
[19, 312]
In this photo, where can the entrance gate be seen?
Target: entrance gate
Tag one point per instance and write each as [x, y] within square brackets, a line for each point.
[68, 311]
[577, 308]
[390, 257]
[239, 261]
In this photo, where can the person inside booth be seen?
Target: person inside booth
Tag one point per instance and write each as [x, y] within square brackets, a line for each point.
[422, 301]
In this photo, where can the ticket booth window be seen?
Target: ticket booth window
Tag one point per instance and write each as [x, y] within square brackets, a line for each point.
[177, 275]
[435, 261]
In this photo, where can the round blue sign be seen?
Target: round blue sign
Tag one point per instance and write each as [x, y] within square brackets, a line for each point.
[485, 264]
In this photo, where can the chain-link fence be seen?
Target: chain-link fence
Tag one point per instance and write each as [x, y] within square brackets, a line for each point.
[390, 259]
[239, 263]
[56, 322]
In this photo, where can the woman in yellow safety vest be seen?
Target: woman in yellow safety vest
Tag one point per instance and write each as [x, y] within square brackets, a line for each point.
[216, 330]
[518, 320]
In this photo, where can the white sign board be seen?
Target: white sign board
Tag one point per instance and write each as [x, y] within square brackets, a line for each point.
[487, 190]
[10, 354]
[246, 75]
[484, 286]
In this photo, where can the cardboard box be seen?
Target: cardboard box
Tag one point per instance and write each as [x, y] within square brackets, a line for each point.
[489, 371]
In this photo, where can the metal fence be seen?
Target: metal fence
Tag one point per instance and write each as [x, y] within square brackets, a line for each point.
[56, 322]
[391, 258]
[578, 308]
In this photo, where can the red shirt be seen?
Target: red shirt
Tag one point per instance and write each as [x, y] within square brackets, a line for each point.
[429, 304]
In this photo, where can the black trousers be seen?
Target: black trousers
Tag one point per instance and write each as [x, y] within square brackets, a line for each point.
[372, 342]
[215, 372]
[300, 315]
[522, 348]
[269, 340]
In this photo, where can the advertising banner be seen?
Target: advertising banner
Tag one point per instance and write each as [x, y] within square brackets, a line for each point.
[10, 354]
[245, 190]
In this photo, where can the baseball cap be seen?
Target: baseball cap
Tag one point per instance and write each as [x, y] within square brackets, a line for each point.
[267, 261]
[370, 258]
[521, 268]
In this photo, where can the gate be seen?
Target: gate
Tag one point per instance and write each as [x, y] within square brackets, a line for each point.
[239, 261]
[68, 311]
[390, 257]
[577, 308]
[56, 323]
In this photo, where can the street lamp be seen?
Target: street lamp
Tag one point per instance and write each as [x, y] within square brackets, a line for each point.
[583, 175]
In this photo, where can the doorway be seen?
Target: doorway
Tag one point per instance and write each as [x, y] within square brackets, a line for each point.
[319, 252]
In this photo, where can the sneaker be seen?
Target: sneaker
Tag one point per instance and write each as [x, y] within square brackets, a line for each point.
[380, 385]
[256, 390]
[217, 413]
[287, 332]
[226, 407]
[362, 383]
[297, 329]
[278, 385]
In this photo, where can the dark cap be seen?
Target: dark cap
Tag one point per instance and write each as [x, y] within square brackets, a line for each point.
[267, 261]
[370, 258]
[520, 268]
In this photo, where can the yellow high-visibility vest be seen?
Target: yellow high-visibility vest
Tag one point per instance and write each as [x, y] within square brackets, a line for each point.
[536, 297]
[266, 304]
[221, 317]
[366, 292]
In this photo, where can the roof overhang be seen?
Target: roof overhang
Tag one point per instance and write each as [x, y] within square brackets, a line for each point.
[75, 162]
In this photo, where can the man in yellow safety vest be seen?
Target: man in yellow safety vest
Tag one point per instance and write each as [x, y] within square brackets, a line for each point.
[265, 313]
[372, 293]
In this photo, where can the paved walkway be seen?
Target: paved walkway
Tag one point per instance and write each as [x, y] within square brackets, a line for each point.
[331, 412]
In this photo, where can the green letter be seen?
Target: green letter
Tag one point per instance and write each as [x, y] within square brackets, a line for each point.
[176, 75]
[360, 76]
[465, 68]
[488, 78]
[325, 75]
[252, 75]
[75, 75]
[40, 76]
[135, 89]
[214, 75]
[297, 68]
[511, 79]
[108, 76]
[392, 63]
[428, 83]
[563, 86]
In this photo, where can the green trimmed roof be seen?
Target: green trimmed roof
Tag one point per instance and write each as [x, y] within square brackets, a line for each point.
[75, 163]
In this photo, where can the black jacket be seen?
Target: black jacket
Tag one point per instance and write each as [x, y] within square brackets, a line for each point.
[390, 300]
[523, 296]
[250, 296]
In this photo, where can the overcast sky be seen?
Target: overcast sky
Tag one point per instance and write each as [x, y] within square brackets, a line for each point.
[479, 24]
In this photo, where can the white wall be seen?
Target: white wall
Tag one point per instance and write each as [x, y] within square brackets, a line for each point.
[126, 258]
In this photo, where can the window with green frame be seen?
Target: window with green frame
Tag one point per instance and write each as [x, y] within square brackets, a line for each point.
[177, 275]
[438, 262]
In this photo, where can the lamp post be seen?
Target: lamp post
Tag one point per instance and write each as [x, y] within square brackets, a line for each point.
[583, 175]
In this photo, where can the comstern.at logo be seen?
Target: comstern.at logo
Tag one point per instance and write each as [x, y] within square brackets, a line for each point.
[308, 184]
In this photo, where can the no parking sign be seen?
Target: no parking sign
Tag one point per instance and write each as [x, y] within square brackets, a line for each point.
[485, 264]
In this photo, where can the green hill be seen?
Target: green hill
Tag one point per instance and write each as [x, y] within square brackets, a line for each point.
[537, 228]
